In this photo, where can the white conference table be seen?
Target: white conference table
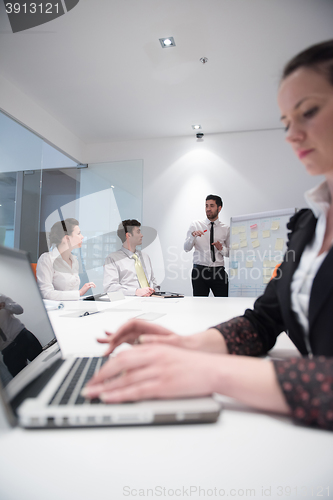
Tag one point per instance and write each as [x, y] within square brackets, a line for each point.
[246, 454]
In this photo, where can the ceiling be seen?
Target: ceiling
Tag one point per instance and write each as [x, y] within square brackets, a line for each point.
[101, 72]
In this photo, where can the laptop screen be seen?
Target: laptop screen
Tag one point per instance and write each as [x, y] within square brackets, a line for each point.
[25, 329]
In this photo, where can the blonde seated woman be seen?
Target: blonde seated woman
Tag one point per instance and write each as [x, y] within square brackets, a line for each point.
[58, 270]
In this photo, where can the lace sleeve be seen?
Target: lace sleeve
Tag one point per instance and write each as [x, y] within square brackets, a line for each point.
[307, 385]
[241, 337]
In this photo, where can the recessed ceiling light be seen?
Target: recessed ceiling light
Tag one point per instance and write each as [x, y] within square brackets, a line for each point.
[196, 127]
[167, 42]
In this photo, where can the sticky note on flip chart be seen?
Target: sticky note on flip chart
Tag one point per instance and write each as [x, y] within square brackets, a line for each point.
[242, 229]
[254, 235]
[235, 230]
[267, 271]
[235, 246]
[266, 280]
[255, 243]
[279, 244]
[266, 234]
[254, 226]
[275, 225]
[249, 263]
[242, 236]
[243, 244]
[233, 272]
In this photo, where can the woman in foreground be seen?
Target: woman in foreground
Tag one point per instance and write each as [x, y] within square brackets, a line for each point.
[299, 300]
[58, 270]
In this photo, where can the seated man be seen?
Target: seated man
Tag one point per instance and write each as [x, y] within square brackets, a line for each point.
[128, 269]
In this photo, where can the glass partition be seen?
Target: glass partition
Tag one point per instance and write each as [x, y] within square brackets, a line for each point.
[7, 208]
[99, 196]
[39, 186]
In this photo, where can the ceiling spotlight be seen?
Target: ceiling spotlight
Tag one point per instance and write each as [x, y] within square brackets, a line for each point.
[196, 127]
[203, 60]
[167, 42]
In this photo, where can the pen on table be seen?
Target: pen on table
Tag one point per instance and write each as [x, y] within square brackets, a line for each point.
[87, 313]
[55, 307]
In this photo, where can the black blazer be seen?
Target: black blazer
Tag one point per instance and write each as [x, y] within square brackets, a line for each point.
[272, 312]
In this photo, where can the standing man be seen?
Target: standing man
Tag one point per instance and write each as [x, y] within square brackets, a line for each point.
[128, 269]
[210, 239]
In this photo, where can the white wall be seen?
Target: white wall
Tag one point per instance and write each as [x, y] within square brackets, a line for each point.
[252, 171]
[18, 105]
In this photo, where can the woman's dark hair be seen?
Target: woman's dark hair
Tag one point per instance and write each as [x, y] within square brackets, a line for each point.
[61, 229]
[126, 226]
[319, 57]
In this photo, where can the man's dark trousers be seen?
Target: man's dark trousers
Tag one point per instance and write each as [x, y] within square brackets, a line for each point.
[205, 279]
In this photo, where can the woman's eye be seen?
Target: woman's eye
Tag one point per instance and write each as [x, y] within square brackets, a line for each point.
[311, 112]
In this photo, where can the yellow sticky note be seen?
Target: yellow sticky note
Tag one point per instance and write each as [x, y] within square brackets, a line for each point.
[254, 235]
[242, 229]
[235, 230]
[266, 234]
[233, 272]
[255, 243]
[249, 263]
[243, 243]
[267, 271]
[235, 246]
[275, 225]
[242, 236]
[266, 280]
[267, 263]
[279, 244]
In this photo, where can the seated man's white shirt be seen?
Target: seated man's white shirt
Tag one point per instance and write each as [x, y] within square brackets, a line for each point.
[56, 279]
[120, 273]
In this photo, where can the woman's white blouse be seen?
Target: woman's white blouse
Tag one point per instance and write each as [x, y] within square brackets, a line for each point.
[56, 279]
[319, 200]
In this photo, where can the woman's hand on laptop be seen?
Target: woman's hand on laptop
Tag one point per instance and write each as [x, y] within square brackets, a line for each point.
[154, 371]
[162, 372]
[137, 331]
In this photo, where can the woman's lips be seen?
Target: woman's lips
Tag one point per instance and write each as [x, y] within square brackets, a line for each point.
[304, 152]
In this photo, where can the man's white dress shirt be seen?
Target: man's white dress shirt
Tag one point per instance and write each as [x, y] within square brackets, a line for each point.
[201, 244]
[319, 200]
[9, 325]
[56, 279]
[120, 274]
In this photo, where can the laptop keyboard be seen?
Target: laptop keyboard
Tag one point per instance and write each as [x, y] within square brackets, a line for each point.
[69, 391]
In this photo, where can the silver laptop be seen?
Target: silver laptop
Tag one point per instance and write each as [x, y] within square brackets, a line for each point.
[39, 388]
